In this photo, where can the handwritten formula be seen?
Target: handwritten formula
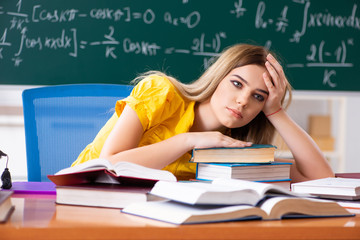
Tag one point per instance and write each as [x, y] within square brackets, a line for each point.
[111, 41]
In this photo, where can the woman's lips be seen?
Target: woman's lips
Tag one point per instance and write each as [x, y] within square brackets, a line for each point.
[235, 112]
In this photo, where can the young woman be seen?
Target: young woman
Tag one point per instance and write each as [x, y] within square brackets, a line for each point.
[238, 101]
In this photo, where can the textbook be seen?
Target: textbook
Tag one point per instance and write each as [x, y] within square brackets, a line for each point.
[251, 201]
[348, 175]
[244, 171]
[218, 192]
[275, 208]
[102, 171]
[102, 195]
[334, 188]
[284, 183]
[6, 207]
[257, 153]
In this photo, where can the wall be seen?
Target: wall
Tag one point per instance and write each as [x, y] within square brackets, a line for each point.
[352, 127]
[12, 135]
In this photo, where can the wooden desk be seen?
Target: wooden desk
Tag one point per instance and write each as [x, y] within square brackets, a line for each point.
[36, 218]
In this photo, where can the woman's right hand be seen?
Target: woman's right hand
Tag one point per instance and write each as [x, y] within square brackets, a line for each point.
[212, 139]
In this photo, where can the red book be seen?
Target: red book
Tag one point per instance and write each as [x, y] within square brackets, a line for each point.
[347, 175]
[102, 171]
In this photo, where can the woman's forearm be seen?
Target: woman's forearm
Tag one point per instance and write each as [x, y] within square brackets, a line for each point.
[157, 155]
[309, 160]
[161, 154]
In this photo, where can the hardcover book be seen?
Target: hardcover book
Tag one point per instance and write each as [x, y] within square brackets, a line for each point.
[218, 192]
[244, 171]
[257, 153]
[102, 195]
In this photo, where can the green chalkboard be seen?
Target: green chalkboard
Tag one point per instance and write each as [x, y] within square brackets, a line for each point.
[47, 42]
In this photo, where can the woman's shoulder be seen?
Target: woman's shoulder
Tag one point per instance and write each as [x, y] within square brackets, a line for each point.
[153, 85]
[155, 81]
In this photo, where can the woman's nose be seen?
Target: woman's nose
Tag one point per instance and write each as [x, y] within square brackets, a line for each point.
[243, 100]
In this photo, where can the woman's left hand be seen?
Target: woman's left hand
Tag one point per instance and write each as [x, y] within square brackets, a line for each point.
[276, 83]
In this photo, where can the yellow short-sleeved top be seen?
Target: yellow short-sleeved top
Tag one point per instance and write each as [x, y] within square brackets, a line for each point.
[163, 113]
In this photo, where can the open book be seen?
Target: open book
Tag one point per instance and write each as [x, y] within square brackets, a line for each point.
[219, 192]
[224, 203]
[102, 171]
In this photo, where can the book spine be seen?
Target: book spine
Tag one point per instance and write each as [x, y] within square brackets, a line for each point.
[197, 171]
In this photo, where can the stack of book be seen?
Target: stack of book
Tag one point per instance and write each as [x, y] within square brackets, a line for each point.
[98, 183]
[255, 163]
[229, 200]
[344, 189]
[331, 187]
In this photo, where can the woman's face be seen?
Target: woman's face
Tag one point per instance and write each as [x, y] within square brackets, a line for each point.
[240, 96]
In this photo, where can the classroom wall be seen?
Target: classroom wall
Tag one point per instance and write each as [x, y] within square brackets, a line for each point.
[352, 129]
[12, 134]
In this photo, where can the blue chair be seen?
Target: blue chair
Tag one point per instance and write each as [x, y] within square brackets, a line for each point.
[61, 120]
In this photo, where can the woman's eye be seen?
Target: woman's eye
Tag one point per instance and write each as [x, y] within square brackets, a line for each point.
[258, 97]
[236, 83]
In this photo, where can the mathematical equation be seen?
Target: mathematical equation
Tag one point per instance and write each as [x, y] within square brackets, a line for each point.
[116, 32]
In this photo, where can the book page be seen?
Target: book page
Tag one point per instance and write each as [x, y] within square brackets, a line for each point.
[331, 182]
[137, 171]
[88, 165]
[177, 213]
[269, 207]
[278, 207]
[204, 193]
[261, 188]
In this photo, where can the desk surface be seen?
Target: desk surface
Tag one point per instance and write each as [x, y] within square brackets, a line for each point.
[41, 218]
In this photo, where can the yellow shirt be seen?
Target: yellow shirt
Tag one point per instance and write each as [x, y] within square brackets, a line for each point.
[163, 113]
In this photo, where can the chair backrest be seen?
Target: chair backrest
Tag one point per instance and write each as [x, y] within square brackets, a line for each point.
[61, 120]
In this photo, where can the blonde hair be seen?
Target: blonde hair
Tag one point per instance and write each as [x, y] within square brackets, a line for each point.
[259, 130]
